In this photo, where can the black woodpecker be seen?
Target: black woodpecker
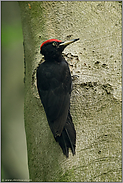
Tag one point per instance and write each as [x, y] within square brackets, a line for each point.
[54, 85]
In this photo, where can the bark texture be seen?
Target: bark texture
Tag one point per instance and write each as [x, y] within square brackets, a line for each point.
[95, 62]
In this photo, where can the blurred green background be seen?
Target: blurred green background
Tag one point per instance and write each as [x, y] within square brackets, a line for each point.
[13, 139]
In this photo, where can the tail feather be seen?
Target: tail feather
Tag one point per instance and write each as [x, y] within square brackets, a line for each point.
[71, 144]
[67, 139]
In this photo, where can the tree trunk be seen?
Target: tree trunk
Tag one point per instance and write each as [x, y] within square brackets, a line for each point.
[96, 95]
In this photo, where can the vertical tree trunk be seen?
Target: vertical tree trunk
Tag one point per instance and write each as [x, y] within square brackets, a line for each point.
[96, 96]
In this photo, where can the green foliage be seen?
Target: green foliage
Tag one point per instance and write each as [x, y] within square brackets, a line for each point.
[11, 34]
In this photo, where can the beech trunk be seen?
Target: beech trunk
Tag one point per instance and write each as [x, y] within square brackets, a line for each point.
[95, 64]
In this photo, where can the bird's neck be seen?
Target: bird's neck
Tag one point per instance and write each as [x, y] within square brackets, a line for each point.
[59, 58]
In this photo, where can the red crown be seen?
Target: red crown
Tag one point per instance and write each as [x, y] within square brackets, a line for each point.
[48, 41]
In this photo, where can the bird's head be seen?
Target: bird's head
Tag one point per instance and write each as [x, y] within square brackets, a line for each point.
[53, 48]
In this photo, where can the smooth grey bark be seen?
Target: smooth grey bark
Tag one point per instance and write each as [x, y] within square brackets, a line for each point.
[96, 96]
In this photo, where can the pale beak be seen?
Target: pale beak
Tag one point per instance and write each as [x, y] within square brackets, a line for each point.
[66, 43]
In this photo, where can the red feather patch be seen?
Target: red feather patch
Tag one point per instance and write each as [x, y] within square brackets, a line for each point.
[48, 41]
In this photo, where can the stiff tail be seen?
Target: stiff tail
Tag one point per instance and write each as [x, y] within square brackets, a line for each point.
[68, 137]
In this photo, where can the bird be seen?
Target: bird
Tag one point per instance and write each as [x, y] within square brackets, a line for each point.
[54, 84]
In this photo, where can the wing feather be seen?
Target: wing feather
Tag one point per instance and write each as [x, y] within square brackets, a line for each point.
[55, 95]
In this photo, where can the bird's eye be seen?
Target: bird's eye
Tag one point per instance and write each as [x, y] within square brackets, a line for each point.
[54, 44]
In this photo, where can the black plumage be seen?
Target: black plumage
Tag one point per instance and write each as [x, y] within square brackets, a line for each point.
[54, 85]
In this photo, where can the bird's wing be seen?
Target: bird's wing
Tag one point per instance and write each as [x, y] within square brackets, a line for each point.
[55, 97]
